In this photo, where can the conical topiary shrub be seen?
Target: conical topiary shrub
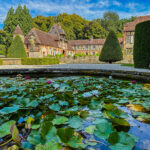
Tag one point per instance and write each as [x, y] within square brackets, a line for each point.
[111, 51]
[17, 49]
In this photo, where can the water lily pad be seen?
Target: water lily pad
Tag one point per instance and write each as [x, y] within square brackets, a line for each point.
[90, 129]
[60, 120]
[103, 129]
[55, 107]
[8, 110]
[75, 122]
[5, 128]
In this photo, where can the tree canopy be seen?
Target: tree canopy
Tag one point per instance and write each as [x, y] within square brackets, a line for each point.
[19, 17]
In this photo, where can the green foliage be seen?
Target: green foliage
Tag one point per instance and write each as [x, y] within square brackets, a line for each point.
[141, 50]
[5, 128]
[39, 61]
[1, 61]
[103, 129]
[20, 17]
[2, 49]
[60, 113]
[111, 51]
[43, 23]
[128, 65]
[110, 21]
[5, 42]
[17, 49]
[76, 55]
[95, 30]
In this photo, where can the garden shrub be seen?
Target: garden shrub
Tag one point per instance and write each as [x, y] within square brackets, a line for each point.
[79, 55]
[39, 61]
[1, 61]
[141, 52]
[2, 49]
[111, 51]
[17, 49]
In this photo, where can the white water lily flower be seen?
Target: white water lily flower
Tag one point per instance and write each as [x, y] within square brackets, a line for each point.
[87, 94]
[99, 87]
[95, 92]
[110, 77]
[56, 86]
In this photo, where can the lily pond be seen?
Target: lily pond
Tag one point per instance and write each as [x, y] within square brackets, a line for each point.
[74, 113]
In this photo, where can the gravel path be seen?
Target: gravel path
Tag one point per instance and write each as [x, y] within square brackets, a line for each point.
[78, 66]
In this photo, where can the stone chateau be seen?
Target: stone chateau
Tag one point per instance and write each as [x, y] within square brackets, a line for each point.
[41, 44]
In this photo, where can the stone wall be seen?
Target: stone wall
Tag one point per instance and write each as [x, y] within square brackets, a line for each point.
[128, 59]
[11, 61]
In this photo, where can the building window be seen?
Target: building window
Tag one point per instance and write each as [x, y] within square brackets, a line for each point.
[130, 38]
[94, 46]
[49, 51]
[86, 46]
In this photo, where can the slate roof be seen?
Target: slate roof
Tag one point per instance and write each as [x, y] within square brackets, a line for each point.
[130, 26]
[18, 30]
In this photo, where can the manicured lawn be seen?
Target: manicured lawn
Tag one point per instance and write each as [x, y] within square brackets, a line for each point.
[129, 65]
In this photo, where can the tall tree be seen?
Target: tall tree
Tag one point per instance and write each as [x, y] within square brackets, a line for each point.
[17, 49]
[95, 30]
[21, 17]
[110, 21]
[24, 19]
[5, 41]
[111, 51]
[10, 21]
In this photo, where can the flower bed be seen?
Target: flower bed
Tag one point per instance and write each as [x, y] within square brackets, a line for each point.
[72, 113]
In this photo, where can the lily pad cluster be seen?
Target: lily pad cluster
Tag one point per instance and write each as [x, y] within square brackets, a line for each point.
[69, 112]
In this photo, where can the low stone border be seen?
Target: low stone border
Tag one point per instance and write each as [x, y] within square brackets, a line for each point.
[56, 72]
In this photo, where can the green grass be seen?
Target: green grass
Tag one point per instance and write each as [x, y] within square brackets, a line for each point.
[129, 65]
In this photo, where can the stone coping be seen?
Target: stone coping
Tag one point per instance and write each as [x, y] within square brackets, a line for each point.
[142, 75]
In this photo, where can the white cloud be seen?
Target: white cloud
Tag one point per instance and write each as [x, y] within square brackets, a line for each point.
[86, 8]
[133, 6]
[116, 3]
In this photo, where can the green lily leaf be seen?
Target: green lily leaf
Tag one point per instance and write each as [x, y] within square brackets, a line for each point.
[103, 129]
[65, 134]
[32, 104]
[90, 129]
[76, 142]
[35, 138]
[49, 146]
[126, 141]
[75, 122]
[60, 120]
[5, 128]
[8, 110]
[55, 107]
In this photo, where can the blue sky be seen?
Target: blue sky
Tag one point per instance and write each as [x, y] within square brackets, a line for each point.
[89, 9]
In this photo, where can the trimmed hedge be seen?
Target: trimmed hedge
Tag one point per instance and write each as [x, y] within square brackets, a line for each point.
[141, 52]
[111, 51]
[39, 61]
[17, 49]
[1, 61]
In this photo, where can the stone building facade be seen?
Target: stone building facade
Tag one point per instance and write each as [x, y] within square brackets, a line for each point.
[89, 47]
[41, 44]
[128, 32]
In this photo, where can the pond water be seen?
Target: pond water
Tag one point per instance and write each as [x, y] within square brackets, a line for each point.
[74, 113]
